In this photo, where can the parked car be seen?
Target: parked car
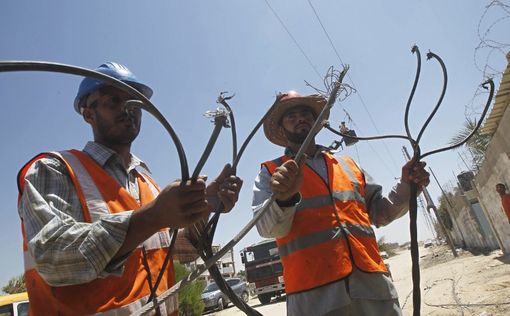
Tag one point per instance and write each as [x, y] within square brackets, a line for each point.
[215, 299]
[14, 304]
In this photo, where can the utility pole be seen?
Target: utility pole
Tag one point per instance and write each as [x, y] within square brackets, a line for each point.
[432, 206]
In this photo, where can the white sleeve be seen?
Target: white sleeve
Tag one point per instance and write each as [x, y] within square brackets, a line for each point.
[276, 221]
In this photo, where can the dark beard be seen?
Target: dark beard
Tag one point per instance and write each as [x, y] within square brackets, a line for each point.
[113, 137]
[296, 138]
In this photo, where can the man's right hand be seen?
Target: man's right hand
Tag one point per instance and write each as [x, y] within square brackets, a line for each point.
[176, 206]
[180, 205]
[286, 180]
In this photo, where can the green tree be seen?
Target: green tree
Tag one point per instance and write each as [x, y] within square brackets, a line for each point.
[383, 246]
[476, 145]
[15, 285]
[190, 297]
[443, 212]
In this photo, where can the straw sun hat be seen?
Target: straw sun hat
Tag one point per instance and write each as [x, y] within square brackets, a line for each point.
[272, 127]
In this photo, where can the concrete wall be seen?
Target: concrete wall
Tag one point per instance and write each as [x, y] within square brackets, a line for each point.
[496, 169]
[466, 232]
[489, 227]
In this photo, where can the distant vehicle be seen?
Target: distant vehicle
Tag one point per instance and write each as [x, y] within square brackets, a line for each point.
[427, 243]
[14, 304]
[264, 269]
[384, 254]
[213, 298]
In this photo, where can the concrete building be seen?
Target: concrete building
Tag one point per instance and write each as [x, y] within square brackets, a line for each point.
[476, 213]
[225, 264]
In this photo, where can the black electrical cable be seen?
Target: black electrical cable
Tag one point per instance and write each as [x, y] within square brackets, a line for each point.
[145, 104]
[219, 123]
[223, 101]
[418, 156]
[300, 154]
[205, 248]
[440, 100]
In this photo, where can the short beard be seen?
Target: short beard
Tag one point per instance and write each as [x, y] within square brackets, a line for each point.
[113, 139]
[296, 138]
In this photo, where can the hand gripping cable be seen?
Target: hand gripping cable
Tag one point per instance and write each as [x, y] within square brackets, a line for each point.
[417, 156]
[210, 260]
[142, 103]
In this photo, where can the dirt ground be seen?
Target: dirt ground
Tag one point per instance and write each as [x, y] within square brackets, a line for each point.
[471, 284]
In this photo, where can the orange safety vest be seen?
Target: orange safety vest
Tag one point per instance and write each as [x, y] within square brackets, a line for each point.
[100, 194]
[331, 229]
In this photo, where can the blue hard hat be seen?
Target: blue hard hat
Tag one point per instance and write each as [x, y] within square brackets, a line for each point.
[115, 70]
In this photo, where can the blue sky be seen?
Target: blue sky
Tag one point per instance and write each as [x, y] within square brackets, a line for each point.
[190, 51]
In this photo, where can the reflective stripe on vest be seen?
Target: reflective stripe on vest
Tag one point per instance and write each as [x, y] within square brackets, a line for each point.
[111, 295]
[319, 249]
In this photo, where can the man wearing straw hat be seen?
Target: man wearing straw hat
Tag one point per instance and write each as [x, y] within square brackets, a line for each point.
[322, 219]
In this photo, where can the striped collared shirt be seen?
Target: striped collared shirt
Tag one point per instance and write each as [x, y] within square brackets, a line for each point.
[66, 249]
[332, 298]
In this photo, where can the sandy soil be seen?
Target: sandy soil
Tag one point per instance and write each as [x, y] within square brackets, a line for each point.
[467, 285]
[471, 284]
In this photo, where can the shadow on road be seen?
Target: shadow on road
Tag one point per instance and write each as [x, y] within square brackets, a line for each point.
[273, 301]
[504, 258]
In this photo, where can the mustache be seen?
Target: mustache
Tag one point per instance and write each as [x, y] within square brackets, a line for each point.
[300, 125]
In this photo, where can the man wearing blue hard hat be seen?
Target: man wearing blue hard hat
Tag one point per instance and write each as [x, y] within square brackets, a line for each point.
[95, 224]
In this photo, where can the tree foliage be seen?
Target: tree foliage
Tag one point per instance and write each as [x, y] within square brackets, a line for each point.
[15, 285]
[443, 212]
[476, 145]
[190, 297]
[384, 246]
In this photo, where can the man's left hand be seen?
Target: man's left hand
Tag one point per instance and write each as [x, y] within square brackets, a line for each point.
[416, 173]
[226, 188]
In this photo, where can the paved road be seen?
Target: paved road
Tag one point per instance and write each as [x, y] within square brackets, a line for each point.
[400, 266]
[275, 308]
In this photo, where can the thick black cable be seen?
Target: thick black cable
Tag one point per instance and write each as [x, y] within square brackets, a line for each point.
[431, 55]
[147, 105]
[210, 229]
[417, 157]
[300, 154]
[491, 89]
[414, 50]
[223, 101]
[205, 244]
[211, 226]
[219, 123]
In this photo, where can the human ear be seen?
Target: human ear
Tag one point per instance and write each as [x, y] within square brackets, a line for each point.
[88, 114]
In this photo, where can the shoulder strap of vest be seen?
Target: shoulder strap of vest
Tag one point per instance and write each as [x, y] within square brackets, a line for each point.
[146, 177]
[271, 165]
[23, 171]
[108, 185]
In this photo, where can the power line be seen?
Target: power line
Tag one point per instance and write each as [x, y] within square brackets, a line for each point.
[352, 81]
[294, 39]
[370, 145]
[325, 32]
